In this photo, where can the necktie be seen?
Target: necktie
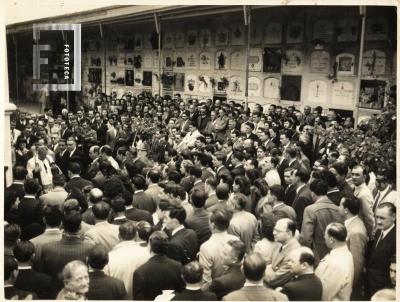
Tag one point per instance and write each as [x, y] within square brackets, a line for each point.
[379, 239]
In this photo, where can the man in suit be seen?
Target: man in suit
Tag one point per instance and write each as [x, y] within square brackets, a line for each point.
[75, 180]
[65, 132]
[28, 279]
[279, 272]
[57, 195]
[75, 155]
[254, 290]
[290, 190]
[10, 275]
[283, 163]
[196, 173]
[219, 161]
[305, 286]
[357, 240]
[303, 196]
[200, 220]
[385, 191]
[275, 197]
[129, 254]
[237, 163]
[192, 274]
[153, 189]
[103, 232]
[55, 255]
[149, 280]
[338, 263]
[272, 176]
[243, 224]
[17, 187]
[381, 249]
[364, 194]
[62, 156]
[233, 279]
[291, 153]
[140, 199]
[334, 194]
[219, 125]
[210, 186]
[316, 217]
[339, 169]
[183, 244]
[102, 286]
[112, 134]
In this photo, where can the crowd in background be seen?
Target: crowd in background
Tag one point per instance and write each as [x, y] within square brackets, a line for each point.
[148, 197]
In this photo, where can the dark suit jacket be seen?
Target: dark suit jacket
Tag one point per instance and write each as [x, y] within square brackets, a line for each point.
[222, 171]
[335, 196]
[183, 246]
[79, 156]
[11, 291]
[238, 170]
[378, 261]
[157, 274]
[194, 295]
[135, 214]
[233, 279]
[77, 182]
[303, 288]
[62, 162]
[300, 202]
[33, 281]
[281, 169]
[200, 223]
[103, 287]
[66, 133]
[290, 194]
[345, 189]
[144, 201]
[17, 189]
[29, 210]
[255, 293]
[55, 255]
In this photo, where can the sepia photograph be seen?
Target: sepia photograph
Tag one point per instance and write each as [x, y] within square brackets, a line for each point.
[199, 151]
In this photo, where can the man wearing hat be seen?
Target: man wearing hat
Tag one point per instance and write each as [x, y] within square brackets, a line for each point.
[384, 187]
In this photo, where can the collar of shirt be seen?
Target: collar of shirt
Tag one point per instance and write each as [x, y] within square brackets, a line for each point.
[138, 191]
[75, 176]
[287, 243]
[129, 207]
[29, 196]
[386, 190]
[211, 194]
[248, 283]
[120, 217]
[279, 204]
[72, 152]
[18, 182]
[385, 232]
[24, 267]
[177, 229]
[333, 190]
[152, 185]
[292, 161]
[348, 221]
[299, 188]
[193, 287]
[197, 181]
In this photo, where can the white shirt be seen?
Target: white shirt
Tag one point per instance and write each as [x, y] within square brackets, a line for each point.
[348, 221]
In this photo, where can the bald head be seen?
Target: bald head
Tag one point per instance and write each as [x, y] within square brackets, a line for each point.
[95, 195]
[301, 260]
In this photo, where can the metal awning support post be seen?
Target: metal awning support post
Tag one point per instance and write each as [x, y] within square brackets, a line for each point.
[158, 29]
[14, 39]
[247, 23]
[102, 36]
[363, 13]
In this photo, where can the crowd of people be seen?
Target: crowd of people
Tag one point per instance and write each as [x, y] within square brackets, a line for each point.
[157, 198]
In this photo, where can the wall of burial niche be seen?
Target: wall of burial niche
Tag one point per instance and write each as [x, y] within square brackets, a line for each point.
[310, 57]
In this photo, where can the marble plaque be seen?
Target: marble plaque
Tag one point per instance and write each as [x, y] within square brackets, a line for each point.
[179, 82]
[273, 33]
[345, 64]
[179, 39]
[236, 87]
[319, 62]
[180, 60]
[374, 62]
[191, 83]
[343, 93]
[272, 59]
[292, 61]
[204, 84]
[168, 60]
[237, 60]
[205, 61]
[192, 60]
[255, 59]
[272, 88]
[147, 60]
[317, 92]
[254, 86]
[168, 40]
[376, 29]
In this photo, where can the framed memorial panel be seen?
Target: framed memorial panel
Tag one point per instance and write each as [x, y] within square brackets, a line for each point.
[204, 84]
[294, 31]
[292, 61]
[205, 38]
[273, 33]
[221, 36]
[347, 30]
[147, 78]
[205, 61]
[291, 88]
[372, 94]
[237, 60]
[168, 41]
[237, 34]
[272, 88]
[138, 78]
[192, 60]
[376, 28]
[221, 60]
[235, 88]
[129, 77]
[374, 63]
[254, 86]
[323, 30]
[168, 60]
[317, 91]
[345, 64]
[180, 60]
[191, 83]
[192, 37]
[272, 60]
[255, 59]
[319, 61]
[179, 39]
[343, 93]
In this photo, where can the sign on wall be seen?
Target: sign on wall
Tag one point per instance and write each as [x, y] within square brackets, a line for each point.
[292, 61]
[317, 91]
[272, 60]
[235, 88]
[272, 88]
[376, 28]
[345, 64]
[255, 59]
[179, 39]
[323, 30]
[205, 61]
[319, 62]
[179, 81]
[192, 38]
[372, 94]
[343, 93]
[291, 88]
[204, 84]
[205, 38]
[254, 86]
[180, 60]
[191, 83]
[192, 62]
[168, 41]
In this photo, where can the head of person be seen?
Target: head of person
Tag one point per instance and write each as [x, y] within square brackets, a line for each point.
[385, 216]
[72, 221]
[284, 230]
[254, 266]
[222, 191]
[275, 194]
[384, 178]
[75, 277]
[349, 207]
[175, 217]
[335, 235]
[198, 198]
[94, 152]
[10, 269]
[101, 211]
[289, 175]
[358, 175]
[12, 233]
[233, 252]
[266, 226]
[301, 261]
[19, 173]
[71, 144]
[74, 169]
[98, 257]
[42, 152]
[144, 230]
[31, 186]
[58, 180]
[237, 202]
[95, 195]
[52, 216]
[386, 294]
[220, 220]
[318, 188]
[192, 273]
[157, 242]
